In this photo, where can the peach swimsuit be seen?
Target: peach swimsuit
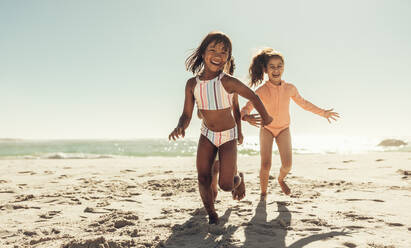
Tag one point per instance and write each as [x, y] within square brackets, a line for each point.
[276, 99]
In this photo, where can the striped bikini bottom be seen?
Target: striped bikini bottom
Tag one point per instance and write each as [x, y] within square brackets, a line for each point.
[219, 138]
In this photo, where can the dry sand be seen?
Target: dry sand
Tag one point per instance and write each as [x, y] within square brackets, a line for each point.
[336, 201]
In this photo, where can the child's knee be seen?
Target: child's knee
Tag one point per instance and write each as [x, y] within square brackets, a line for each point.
[266, 165]
[226, 185]
[204, 180]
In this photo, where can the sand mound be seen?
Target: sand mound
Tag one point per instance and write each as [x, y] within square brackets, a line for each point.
[99, 242]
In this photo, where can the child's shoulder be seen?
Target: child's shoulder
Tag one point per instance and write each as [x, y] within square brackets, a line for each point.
[263, 87]
[289, 85]
[192, 81]
[230, 81]
[228, 77]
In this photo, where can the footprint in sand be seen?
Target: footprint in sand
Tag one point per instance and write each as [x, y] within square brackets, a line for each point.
[246, 202]
[312, 229]
[350, 245]
[150, 174]
[241, 213]
[21, 198]
[375, 200]
[374, 245]
[163, 225]
[332, 168]
[354, 227]
[394, 224]
[93, 211]
[103, 204]
[30, 233]
[49, 214]
[353, 216]
[27, 172]
[7, 191]
[348, 161]
[404, 173]
[167, 194]
[317, 222]
[358, 217]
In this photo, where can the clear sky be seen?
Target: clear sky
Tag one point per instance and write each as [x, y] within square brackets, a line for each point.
[115, 69]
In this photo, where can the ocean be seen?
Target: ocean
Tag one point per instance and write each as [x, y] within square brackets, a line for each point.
[79, 149]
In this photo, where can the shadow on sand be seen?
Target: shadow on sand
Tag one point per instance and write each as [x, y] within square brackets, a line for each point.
[260, 233]
[196, 232]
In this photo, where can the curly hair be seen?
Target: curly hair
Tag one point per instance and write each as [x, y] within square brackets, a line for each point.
[259, 63]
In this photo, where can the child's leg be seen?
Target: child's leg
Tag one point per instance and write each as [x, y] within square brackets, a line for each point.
[266, 150]
[206, 153]
[283, 141]
[214, 180]
[228, 179]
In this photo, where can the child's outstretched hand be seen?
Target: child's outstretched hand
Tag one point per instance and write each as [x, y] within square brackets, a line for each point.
[178, 131]
[329, 114]
[254, 119]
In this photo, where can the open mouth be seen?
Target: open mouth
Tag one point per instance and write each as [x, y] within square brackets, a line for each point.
[275, 75]
[215, 62]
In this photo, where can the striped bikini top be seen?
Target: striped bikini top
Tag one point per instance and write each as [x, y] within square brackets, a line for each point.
[211, 95]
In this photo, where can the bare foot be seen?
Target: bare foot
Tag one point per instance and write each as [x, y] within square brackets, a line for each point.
[263, 197]
[239, 192]
[213, 219]
[286, 190]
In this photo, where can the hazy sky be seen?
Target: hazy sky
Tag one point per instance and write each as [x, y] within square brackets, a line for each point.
[115, 69]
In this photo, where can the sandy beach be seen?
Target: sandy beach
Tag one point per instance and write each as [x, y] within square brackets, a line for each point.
[361, 200]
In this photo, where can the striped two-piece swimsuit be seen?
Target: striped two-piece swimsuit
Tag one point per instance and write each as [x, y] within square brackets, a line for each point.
[211, 95]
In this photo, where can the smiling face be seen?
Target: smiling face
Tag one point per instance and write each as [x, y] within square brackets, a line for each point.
[274, 69]
[215, 57]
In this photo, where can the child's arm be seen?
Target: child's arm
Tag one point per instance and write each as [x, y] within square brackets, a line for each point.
[233, 85]
[185, 117]
[246, 110]
[237, 117]
[254, 119]
[328, 114]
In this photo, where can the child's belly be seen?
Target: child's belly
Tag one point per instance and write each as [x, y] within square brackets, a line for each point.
[280, 119]
[218, 120]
